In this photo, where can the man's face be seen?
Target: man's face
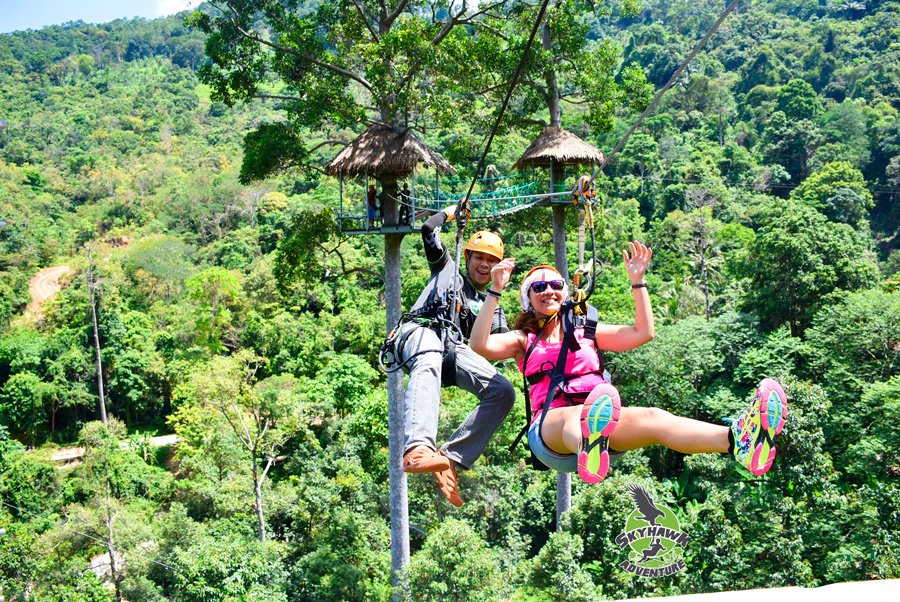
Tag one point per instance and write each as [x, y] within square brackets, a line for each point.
[479, 265]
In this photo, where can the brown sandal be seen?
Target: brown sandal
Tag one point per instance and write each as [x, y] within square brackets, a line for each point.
[422, 459]
[447, 483]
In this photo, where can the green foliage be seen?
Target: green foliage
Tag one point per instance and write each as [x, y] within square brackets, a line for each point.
[236, 570]
[270, 149]
[839, 191]
[31, 485]
[85, 587]
[165, 260]
[797, 259]
[350, 562]
[786, 142]
[350, 379]
[558, 569]
[112, 141]
[876, 451]
[299, 257]
[22, 403]
[216, 290]
[798, 100]
[686, 364]
[454, 564]
[18, 564]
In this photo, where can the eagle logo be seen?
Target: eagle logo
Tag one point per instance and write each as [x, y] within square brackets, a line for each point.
[648, 510]
[652, 537]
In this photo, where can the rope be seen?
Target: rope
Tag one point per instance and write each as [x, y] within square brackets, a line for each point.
[665, 88]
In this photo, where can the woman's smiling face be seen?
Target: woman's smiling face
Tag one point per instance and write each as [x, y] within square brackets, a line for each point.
[548, 301]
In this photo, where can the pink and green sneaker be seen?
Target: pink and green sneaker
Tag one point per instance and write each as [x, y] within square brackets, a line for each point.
[756, 429]
[599, 417]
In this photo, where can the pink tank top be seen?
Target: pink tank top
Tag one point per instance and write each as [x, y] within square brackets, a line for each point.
[581, 374]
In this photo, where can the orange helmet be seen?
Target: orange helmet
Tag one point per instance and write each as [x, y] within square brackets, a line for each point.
[485, 242]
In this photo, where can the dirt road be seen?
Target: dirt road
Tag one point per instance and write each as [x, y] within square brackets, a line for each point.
[71, 454]
[44, 285]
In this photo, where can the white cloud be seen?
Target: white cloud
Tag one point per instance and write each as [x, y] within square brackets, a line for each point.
[170, 7]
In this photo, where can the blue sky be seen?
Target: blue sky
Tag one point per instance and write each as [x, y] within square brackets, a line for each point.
[16, 15]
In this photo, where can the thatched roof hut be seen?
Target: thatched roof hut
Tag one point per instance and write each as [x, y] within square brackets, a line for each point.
[382, 150]
[558, 146]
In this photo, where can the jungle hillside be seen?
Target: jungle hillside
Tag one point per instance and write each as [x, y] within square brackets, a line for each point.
[200, 287]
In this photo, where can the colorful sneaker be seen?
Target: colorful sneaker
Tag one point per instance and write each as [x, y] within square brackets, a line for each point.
[756, 429]
[599, 417]
[447, 484]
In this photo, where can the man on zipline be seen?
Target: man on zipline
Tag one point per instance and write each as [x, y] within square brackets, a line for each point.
[425, 344]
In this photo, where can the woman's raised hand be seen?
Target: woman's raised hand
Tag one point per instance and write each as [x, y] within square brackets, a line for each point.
[501, 273]
[637, 263]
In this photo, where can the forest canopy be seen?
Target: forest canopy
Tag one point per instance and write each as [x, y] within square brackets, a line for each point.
[766, 183]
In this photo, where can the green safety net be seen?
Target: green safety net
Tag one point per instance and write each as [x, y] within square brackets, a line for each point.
[492, 202]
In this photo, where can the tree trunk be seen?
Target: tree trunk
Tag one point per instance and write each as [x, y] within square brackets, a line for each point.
[96, 337]
[552, 83]
[110, 543]
[703, 249]
[389, 193]
[705, 284]
[257, 492]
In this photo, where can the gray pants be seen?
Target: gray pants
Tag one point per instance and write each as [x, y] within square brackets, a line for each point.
[423, 396]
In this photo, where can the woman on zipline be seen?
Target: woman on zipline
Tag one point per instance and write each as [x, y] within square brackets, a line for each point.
[586, 424]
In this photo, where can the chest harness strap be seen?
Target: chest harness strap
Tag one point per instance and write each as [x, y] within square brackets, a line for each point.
[556, 372]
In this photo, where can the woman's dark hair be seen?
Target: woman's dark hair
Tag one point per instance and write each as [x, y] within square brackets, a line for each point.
[528, 322]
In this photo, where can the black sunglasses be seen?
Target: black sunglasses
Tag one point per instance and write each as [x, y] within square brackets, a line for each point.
[540, 286]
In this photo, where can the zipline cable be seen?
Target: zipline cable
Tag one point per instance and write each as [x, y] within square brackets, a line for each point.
[463, 212]
[512, 87]
[665, 88]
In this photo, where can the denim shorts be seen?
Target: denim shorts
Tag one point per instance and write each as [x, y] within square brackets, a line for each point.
[555, 461]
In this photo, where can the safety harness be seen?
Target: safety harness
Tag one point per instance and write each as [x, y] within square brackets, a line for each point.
[436, 314]
[573, 316]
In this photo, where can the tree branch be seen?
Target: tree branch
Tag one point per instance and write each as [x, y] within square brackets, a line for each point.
[493, 30]
[327, 143]
[389, 19]
[270, 461]
[276, 97]
[339, 70]
[377, 122]
[460, 18]
[503, 84]
[365, 20]
[249, 441]
[328, 273]
[539, 122]
[540, 89]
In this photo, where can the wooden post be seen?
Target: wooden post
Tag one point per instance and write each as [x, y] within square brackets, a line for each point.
[398, 486]
[398, 496]
[563, 479]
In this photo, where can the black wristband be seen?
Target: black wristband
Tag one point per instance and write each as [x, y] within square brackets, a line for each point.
[639, 285]
[493, 293]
